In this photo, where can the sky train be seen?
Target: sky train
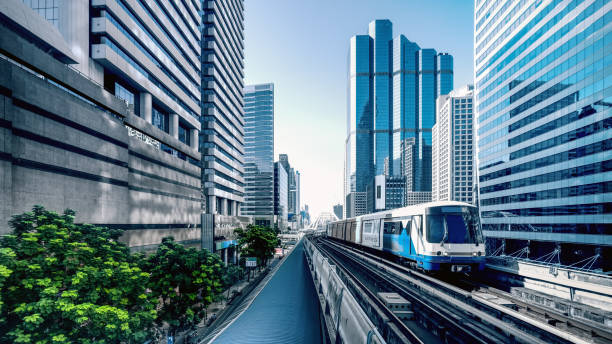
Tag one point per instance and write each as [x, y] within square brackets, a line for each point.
[435, 236]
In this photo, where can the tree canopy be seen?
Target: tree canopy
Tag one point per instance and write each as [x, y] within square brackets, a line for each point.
[185, 280]
[257, 241]
[64, 282]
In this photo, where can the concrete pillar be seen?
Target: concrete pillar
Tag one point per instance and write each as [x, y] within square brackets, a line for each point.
[235, 258]
[212, 204]
[174, 125]
[193, 133]
[225, 254]
[146, 107]
[235, 208]
[223, 209]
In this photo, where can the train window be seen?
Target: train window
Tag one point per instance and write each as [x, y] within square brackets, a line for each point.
[367, 227]
[392, 227]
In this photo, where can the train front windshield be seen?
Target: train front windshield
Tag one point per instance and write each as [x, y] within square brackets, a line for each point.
[455, 225]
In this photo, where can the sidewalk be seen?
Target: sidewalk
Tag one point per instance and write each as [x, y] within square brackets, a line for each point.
[224, 309]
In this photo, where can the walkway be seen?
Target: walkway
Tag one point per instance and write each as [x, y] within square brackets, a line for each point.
[285, 311]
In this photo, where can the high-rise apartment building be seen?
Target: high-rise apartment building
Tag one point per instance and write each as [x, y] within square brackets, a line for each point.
[222, 140]
[452, 158]
[259, 154]
[543, 98]
[104, 115]
[392, 89]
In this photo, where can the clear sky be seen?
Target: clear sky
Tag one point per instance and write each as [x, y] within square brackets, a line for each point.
[302, 47]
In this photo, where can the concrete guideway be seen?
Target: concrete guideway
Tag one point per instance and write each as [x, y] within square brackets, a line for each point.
[474, 308]
[577, 286]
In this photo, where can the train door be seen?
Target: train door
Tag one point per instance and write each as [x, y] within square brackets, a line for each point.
[378, 225]
[417, 237]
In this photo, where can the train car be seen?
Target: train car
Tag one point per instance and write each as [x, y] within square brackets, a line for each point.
[435, 236]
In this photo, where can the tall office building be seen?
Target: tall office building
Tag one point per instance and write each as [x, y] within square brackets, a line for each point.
[338, 211]
[104, 114]
[280, 196]
[452, 162]
[259, 154]
[298, 205]
[222, 139]
[543, 99]
[392, 89]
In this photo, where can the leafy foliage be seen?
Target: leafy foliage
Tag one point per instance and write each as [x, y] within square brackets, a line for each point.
[231, 276]
[61, 282]
[257, 241]
[186, 281]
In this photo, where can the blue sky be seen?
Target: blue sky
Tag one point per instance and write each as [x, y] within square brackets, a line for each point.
[302, 45]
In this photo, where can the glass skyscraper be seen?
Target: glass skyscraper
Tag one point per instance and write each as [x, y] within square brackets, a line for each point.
[392, 88]
[543, 73]
[259, 153]
[222, 139]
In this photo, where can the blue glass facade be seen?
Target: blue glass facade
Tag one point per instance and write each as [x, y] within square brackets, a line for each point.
[259, 152]
[381, 31]
[543, 100]
[392, 89]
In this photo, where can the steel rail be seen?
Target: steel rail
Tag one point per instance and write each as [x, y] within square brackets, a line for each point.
[464, 299]
[406, 335]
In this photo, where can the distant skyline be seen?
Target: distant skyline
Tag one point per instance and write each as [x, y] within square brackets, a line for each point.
[302, 47]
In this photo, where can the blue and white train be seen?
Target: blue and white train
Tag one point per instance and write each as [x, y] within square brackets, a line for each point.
[435, 236]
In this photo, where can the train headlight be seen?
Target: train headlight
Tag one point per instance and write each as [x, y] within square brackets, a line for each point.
[445, 253]
[474, 253]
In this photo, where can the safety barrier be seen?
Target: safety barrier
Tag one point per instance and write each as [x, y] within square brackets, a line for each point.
[347, 319]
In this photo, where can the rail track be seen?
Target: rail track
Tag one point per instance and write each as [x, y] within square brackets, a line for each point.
[462, 312]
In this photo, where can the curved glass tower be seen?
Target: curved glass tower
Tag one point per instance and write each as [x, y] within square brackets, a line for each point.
[543, 98]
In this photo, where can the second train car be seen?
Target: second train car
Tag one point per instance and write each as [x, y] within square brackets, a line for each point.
[435, 236]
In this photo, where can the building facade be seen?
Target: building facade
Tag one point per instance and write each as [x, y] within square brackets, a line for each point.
[259, 154]
[452, 157]
[338, 211]
[542, 96]
[392, 89]
[280, 196]
[102, 108]
[222, 140]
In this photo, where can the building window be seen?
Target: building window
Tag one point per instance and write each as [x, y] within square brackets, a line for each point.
[161, 120]
[378, 192]
[48, 9]
[184, 134]
[124, 93]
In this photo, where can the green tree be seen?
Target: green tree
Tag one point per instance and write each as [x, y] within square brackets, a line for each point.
[257, 241]
[61, 282]
[186, 281]
[231, 276]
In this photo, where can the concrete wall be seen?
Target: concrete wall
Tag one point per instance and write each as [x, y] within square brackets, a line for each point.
[71, 149]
